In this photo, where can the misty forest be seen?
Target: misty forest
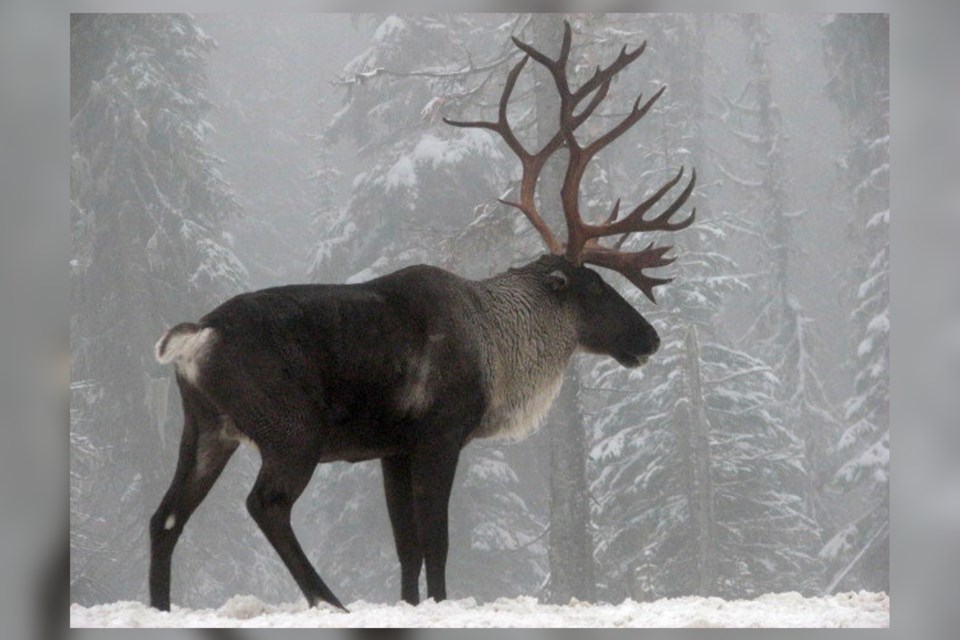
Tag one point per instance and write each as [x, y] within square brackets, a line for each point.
[216, 154]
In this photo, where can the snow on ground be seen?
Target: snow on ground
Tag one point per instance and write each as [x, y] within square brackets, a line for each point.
[861, 609]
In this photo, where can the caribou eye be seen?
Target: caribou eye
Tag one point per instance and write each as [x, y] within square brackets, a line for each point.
[558, 280]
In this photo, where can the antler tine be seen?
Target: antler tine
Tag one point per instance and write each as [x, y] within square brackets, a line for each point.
[632, 264]
[602, 75]
[501, 126]
[578, 232]
[583, 238]
[558, 67]
[631, 119]
[634, 221]
[531, 163]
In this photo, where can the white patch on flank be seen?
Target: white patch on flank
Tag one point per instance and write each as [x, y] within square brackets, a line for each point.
[187, 350]
[171, 520]
[416, 395]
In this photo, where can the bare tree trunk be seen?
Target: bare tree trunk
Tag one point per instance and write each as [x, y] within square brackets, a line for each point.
[695, 434]
[571, 549]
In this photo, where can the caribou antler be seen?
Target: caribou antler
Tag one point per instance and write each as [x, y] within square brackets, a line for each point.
[582, 245]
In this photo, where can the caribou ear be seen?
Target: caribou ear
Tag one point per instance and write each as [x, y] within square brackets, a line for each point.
[558, 280]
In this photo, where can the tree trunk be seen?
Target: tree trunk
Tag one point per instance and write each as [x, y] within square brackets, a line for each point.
[696, 444]
[571, 549]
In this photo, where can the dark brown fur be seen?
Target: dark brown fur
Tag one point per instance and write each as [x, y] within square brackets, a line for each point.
[407, 368]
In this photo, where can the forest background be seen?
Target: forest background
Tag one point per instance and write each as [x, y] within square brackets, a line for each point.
[217, 153]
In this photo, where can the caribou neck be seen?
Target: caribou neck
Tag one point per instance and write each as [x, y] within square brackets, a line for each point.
[528, 338]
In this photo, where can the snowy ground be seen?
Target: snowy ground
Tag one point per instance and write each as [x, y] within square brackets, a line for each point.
[773, 610]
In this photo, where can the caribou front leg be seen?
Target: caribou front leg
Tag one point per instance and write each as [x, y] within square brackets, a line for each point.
[433, 470]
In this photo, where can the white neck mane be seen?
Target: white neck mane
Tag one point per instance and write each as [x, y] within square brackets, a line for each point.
[529, 341]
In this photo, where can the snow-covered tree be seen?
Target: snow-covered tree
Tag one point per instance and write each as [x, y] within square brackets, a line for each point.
[266, 119]
[423, 178]
[700, 486]
[697, 477]
[856, 49]
[499, 540]
[331, 222]
[148, 203]
[782, 332]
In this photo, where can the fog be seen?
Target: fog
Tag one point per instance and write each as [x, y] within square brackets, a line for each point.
[216, 154]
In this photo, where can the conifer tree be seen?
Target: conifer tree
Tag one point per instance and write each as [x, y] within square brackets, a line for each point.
[856, 51]
[148, 203]
[683, 507]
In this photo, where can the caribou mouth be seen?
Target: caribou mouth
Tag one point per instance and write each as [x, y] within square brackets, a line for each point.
[631, 361]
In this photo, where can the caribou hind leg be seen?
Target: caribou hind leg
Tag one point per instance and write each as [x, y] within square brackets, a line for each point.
[204, 452]
[277, 488]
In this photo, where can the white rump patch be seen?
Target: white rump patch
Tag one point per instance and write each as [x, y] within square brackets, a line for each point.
[171, 520]
[417, 394]
[186, 349]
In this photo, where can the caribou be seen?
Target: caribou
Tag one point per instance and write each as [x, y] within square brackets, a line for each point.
[410, 367]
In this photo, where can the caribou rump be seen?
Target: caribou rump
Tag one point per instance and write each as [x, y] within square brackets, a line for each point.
[411, 366]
